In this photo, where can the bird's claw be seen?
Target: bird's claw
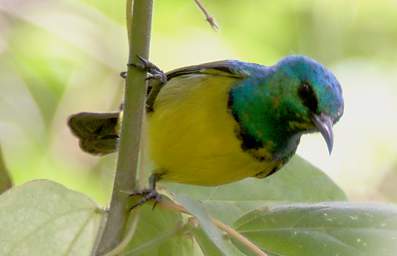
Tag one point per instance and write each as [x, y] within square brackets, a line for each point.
[153, 71]
[158, 75]
[123, 74]
[147, 195]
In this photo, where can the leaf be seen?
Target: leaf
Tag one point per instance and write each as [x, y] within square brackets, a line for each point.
[160, 232]
[208, 247]
[44, 218]
[298, 181]
[5, 179]
[334, 228]
[210, 230]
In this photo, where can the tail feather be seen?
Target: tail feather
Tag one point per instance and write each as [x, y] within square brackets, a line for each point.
[98, 132]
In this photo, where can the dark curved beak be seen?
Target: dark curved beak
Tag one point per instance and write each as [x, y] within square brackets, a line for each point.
[324, 125]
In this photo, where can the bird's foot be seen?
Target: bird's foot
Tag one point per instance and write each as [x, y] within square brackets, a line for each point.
[123, 74]
[154, 73]
[146, 195]
[152, 70]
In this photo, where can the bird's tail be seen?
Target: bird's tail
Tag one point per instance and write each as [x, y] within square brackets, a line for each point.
[98, 132]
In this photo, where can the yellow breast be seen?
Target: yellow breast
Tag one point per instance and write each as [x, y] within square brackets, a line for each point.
[192, 135]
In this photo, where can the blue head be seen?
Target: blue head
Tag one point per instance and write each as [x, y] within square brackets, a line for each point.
[298, 95]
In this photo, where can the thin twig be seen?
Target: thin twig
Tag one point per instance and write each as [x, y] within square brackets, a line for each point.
[167, 204]
[208, 17]
[239, 237]
[139, 27]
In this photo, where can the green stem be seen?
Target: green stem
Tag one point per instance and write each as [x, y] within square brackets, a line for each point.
[127, 238]
[139, 26]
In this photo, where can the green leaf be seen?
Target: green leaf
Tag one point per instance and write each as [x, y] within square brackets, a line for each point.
[207, 246]
[44, 218]
[160, 232]
[298, 181]
[326, 229]
[211, 231]
[5, 179]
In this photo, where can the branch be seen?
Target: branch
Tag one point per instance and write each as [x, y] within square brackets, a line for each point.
[239, 237]
[128, 237]
[138, 26]
[208, 17]
[167, 204]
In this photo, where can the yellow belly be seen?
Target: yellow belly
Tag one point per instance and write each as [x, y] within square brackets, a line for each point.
[192, 135]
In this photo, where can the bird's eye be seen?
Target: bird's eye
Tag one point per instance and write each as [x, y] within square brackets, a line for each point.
[308, 96]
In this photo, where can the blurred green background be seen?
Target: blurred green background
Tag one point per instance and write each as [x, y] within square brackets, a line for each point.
[61, 57]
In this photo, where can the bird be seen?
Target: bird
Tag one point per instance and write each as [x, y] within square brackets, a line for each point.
[223, 121]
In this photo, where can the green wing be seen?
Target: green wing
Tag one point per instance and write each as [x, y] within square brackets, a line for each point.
[228, 68]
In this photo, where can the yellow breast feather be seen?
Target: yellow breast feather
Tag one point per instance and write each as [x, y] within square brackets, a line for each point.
[192, 134]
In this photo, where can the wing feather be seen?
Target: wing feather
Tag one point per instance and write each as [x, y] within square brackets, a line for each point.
[221, 68]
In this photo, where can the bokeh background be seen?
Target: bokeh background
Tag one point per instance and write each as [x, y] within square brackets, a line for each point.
[61, 57]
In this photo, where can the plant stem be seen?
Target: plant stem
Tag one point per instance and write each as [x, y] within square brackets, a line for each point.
[128, 237]
[139, 27]
[222, 226]
[239, 237]
[208, 17]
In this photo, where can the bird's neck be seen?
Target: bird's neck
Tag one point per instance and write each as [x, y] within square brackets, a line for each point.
[260, 127]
